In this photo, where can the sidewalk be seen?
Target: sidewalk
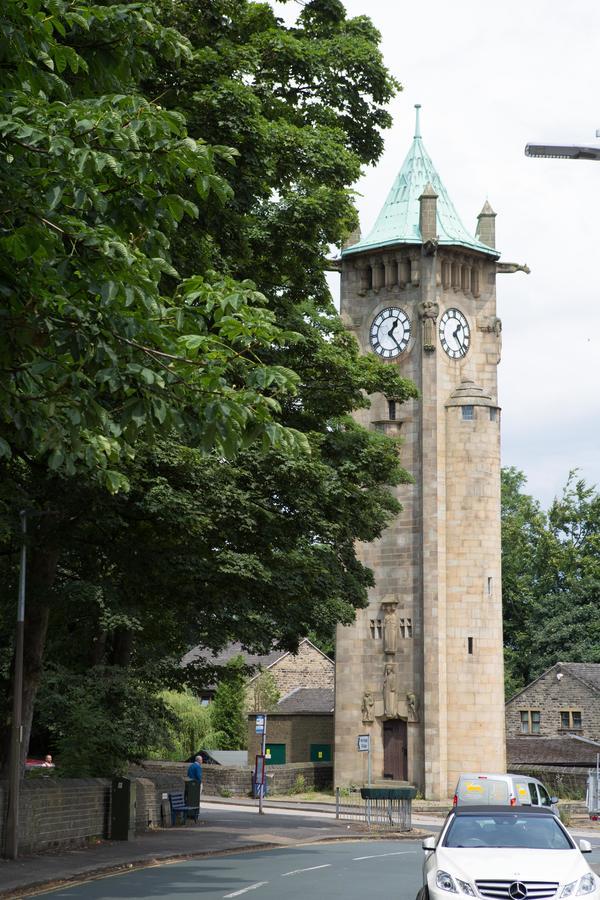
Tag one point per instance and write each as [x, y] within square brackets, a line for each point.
[219, 830]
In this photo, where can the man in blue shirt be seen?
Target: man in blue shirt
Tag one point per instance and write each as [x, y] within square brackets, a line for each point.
[194, 772]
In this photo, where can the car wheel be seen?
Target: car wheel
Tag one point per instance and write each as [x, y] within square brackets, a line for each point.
[423, 893]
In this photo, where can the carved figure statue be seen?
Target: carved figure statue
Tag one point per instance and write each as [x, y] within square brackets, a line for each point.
[367, 706]
[507, 268]
[390, 699]
[429, 311]
[390, 630]
[413, 706]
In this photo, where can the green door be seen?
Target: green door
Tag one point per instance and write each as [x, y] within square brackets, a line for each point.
[320, 752]
[275, 754]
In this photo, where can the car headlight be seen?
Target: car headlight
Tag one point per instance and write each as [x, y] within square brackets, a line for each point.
[445, 882]
[466, 888]
[569, 889]
[587, 884]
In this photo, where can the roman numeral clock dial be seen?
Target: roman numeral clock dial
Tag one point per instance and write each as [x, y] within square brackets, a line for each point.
[390, 332]
[455, 334]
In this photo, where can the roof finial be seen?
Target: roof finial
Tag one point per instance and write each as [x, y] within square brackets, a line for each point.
[417, 123]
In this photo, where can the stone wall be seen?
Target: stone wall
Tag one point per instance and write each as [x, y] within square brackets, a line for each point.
[307, 668]
[297, 732]
[549, 695]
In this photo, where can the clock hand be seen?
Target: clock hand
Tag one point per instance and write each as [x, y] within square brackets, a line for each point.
[455, 334]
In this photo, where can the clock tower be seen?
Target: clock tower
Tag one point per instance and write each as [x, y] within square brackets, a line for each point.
[421, 669]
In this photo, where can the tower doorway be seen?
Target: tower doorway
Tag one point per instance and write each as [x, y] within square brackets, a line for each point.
[395, 750]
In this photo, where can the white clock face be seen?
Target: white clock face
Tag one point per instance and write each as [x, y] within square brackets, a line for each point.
[455, 334]
[390, 332]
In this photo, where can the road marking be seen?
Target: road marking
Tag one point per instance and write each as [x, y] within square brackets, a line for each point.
[251, 887]
[377, 855]
[311, 869]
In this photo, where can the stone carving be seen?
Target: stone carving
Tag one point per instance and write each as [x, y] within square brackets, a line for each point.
[490, 324]
[390, 628]
[508, 268]
[429, 311]
[413, 706]
[367, 706]
[390, 697]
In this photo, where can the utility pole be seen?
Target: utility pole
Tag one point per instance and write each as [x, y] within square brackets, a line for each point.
[16, 737]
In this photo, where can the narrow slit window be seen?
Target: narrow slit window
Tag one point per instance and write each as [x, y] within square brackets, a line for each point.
[372, 627]
[490, 585]
[468, 413]
[378, 629]
[470, 645]
[409, 628]
[391, 409]
[493, 414]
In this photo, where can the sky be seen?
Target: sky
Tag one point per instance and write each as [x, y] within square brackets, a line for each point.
[491, 78]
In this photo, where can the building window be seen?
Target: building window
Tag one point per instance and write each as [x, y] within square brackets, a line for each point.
[406, 628]
[493, 414]
[468, 413]
[570, 720]
[530, 721]
[376, 629]
[470, 645]
[391, 409]
[490, 585]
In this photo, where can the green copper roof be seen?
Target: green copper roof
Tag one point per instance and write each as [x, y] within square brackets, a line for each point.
[398, 221]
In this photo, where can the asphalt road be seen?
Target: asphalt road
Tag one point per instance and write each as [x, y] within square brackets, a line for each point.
[361, 870]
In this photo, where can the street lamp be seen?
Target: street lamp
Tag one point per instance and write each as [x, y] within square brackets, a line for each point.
[16, 734]
[560, 151]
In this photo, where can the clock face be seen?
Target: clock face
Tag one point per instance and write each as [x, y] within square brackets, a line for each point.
[390, 332]
[455, 334]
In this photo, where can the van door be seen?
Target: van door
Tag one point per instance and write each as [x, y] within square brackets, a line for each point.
[535, 800]
[544, 796]
[522, 793]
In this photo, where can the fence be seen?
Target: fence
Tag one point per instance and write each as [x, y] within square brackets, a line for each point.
[379, 814]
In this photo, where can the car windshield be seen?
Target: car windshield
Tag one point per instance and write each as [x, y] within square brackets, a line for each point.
[507, 830]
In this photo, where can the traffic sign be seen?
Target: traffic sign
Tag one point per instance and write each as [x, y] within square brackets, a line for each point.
[261, 724]
[364, 743]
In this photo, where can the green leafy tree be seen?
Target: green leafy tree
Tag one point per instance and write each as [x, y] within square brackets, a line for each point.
[551, 578]
[263, 693]
[228, 712]
[192, 731]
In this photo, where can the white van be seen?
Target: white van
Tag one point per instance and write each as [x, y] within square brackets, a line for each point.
[497, 790]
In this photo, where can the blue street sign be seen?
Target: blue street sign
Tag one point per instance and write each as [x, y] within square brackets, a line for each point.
[260, 724]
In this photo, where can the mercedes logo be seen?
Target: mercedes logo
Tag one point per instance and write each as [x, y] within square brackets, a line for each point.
[517, 891]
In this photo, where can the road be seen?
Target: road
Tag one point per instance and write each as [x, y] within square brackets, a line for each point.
[349, 870]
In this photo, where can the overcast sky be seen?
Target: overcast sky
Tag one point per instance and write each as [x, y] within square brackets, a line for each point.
[490, 78]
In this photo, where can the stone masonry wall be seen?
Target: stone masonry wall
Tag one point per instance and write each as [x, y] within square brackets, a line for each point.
[549, 695]
[297, 732]
[307, 668]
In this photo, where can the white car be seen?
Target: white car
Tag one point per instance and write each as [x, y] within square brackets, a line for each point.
[521, 853]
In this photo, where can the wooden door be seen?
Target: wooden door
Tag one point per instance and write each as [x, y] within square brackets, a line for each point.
[395, 763]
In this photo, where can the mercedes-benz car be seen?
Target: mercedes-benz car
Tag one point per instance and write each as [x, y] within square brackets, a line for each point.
[495, 853]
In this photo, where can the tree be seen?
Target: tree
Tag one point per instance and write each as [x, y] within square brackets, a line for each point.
[266, 541]
[192, 731]
[551, 578]
[228, 712]
[263, 693]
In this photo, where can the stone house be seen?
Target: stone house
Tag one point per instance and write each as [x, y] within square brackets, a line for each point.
[299, 729]
[307, 668]
[564, 700]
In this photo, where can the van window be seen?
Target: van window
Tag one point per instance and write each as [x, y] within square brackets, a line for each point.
[544, 796]
[534, 795]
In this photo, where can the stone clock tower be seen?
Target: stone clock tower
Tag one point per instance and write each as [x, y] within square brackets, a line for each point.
[421, 668]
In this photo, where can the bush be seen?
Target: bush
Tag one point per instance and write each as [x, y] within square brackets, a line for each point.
[190, 731]
[299, 786]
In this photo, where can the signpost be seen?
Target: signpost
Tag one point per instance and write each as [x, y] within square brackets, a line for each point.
[364, 746]
[259, 769]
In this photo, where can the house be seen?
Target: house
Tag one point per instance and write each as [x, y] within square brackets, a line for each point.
[564, 700]
[299, 728]
[309, 667]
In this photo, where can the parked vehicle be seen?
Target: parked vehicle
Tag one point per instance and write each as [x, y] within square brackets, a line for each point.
[512, 790]
[506, 854]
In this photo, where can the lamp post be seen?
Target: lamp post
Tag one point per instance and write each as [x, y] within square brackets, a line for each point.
[16, 737]
[560, 151]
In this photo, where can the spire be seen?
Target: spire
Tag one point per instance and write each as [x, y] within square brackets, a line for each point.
[417, 120]
[486, 225]
[399, 220]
